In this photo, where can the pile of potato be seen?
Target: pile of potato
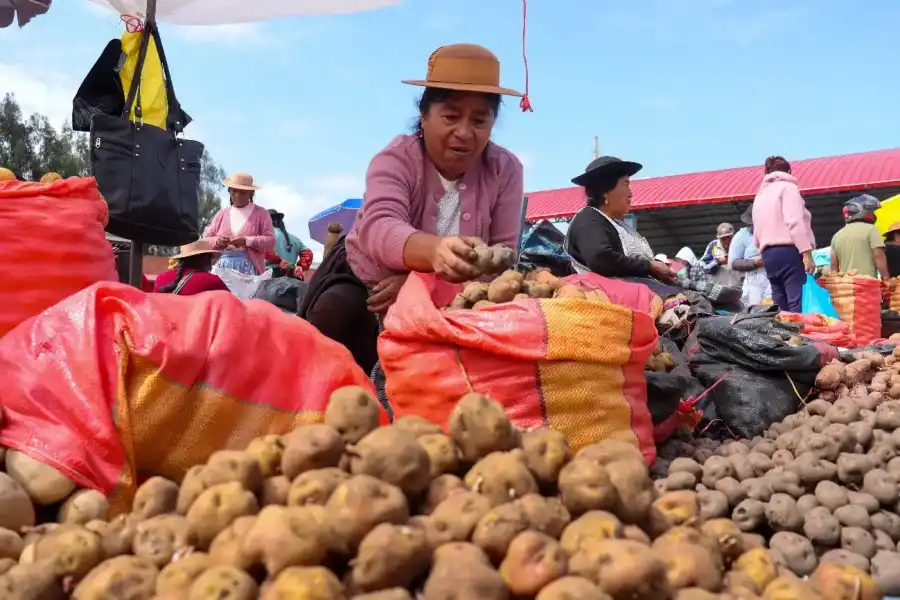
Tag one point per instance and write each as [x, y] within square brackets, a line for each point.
[821, 486]
[348, 509]
[511, 286]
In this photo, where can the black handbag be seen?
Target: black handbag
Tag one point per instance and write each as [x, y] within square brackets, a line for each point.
[150, 177]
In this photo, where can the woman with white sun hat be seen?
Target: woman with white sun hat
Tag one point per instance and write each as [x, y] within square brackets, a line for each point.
[243, 231]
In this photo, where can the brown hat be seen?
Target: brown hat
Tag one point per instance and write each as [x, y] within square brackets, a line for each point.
[240, 181]
[464, 68]
[895, 226]
[195, 248]
[724, 230]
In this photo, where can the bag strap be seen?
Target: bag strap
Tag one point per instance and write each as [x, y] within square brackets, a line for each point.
[182, 283]
[174, 116]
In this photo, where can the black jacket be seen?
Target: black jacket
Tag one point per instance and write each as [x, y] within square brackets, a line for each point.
[595, 243]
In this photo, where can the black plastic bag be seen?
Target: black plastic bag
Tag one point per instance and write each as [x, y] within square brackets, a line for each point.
[542, 248]
[759, 379]
[101, 91]
[666, 390]
[284, 292]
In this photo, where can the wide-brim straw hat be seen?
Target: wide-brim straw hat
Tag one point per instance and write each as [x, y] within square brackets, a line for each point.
[195, 248]
[464, 68]
[240, 181]
[895, 226]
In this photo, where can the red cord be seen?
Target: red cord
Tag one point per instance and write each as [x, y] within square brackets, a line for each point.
[132, 24]
[525, 103]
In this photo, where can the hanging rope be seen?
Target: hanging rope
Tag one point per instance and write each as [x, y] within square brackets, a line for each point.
[525, 103]
[133, 24]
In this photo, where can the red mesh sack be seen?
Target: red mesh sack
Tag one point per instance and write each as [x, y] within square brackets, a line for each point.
[857, 300]
[55, 244]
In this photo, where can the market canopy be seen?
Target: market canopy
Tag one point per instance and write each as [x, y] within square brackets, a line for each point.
[228, 12]
[21, 11]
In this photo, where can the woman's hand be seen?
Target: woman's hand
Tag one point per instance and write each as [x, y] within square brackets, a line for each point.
[661, 271]
[239, 242]
[384, 294]
[221, 242]
[757, 262]
[454, 258]
[808, 263]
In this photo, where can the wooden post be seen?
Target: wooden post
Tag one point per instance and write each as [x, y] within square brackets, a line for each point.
[596, 146]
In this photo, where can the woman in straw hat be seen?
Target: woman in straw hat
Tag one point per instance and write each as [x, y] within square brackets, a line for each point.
[243, 231]
[892, 249]
[430, 197]
[191, 274]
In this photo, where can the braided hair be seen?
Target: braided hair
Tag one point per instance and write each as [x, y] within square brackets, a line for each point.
[279, 224]
[198, 262]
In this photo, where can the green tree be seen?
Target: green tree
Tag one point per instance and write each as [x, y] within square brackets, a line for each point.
[211, 190]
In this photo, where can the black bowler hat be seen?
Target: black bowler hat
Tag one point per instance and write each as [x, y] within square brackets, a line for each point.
[606, 167]
[747, 217]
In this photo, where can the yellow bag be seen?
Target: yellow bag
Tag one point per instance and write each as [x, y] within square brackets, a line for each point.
[154, 104]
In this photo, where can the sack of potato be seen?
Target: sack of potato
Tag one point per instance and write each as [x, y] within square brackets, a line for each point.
[822, 485]
[564, 357]
[112, 384]
[857, 300]
[350, 510]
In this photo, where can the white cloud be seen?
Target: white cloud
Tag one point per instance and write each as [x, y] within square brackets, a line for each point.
[241, 33]
[39, 91]
[299, 206]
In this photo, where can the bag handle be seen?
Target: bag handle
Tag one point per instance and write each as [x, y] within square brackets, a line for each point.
[174, 116]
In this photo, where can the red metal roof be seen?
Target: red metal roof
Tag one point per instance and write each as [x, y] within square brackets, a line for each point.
[865, 170]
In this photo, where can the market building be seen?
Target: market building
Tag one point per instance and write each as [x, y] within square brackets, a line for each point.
[683, 210]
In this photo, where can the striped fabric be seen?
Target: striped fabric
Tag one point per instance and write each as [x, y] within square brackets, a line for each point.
[113, 385]
[571, 364]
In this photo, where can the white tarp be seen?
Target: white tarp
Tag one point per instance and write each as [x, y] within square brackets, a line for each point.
[228, 12]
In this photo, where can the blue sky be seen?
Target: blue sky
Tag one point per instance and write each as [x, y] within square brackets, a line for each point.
[680, 86]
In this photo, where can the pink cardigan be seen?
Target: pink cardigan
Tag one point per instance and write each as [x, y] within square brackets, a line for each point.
[403, 189]
[780, 217]
[258, 231]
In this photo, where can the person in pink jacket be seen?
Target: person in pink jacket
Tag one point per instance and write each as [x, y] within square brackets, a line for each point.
[243, 231]
[782, 230]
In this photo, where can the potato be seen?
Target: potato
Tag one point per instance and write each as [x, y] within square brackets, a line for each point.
[758, 566]
[418, 426]
[501, 477]
[43, 484]
[886, 572]
[35, 581]
[281, 537]
[673, 509]
[749, 514]
[357, 506]
[882, 485]
[831, 495]
[716, 468]
[758, 489]
[592, 527]
[844, 582]
[479, 426]
[227, 548]
[474, 292]
[798, 552]
[119, 577]
[844, 557]
[533, 560]
[858, 540]
[455, 518]
[610, 451]
[887, 416]
[572, 588]
[853, 516]
[546, 515]
[634, 489]
[853, 467]
[733, 490]
[192, 485]
[223, 582]
[727, 537]
[450, 580]
[73, 551]
[822, 527]
[353, 413]
[786, 482]
[268, 451]
[806, 503]
[159, 538]
[786, 587]
[11, 545]
[681, 480]
[83, 506]
[713, 504]
[811, 469]
[315, 446]
[394, 456]
[585, 486]
[390, 556]
[391, 594]
[217, 508]
[442, 453]
[503, 290]
[156, 496]
[691, 565]
[782, 513]
[687, 465]
[497, 528]
[180, 574]
[830, 377]
[441, 488]
[546, 453]
[16, 509]
[887, 522]
[275, 491]
[460, 552]
[636, 534]
[622, 569]
[316, 486]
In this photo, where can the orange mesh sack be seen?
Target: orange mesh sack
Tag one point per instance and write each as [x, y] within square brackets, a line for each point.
[571, 364]
[857, 300]
[113, 384]
[53, 245]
